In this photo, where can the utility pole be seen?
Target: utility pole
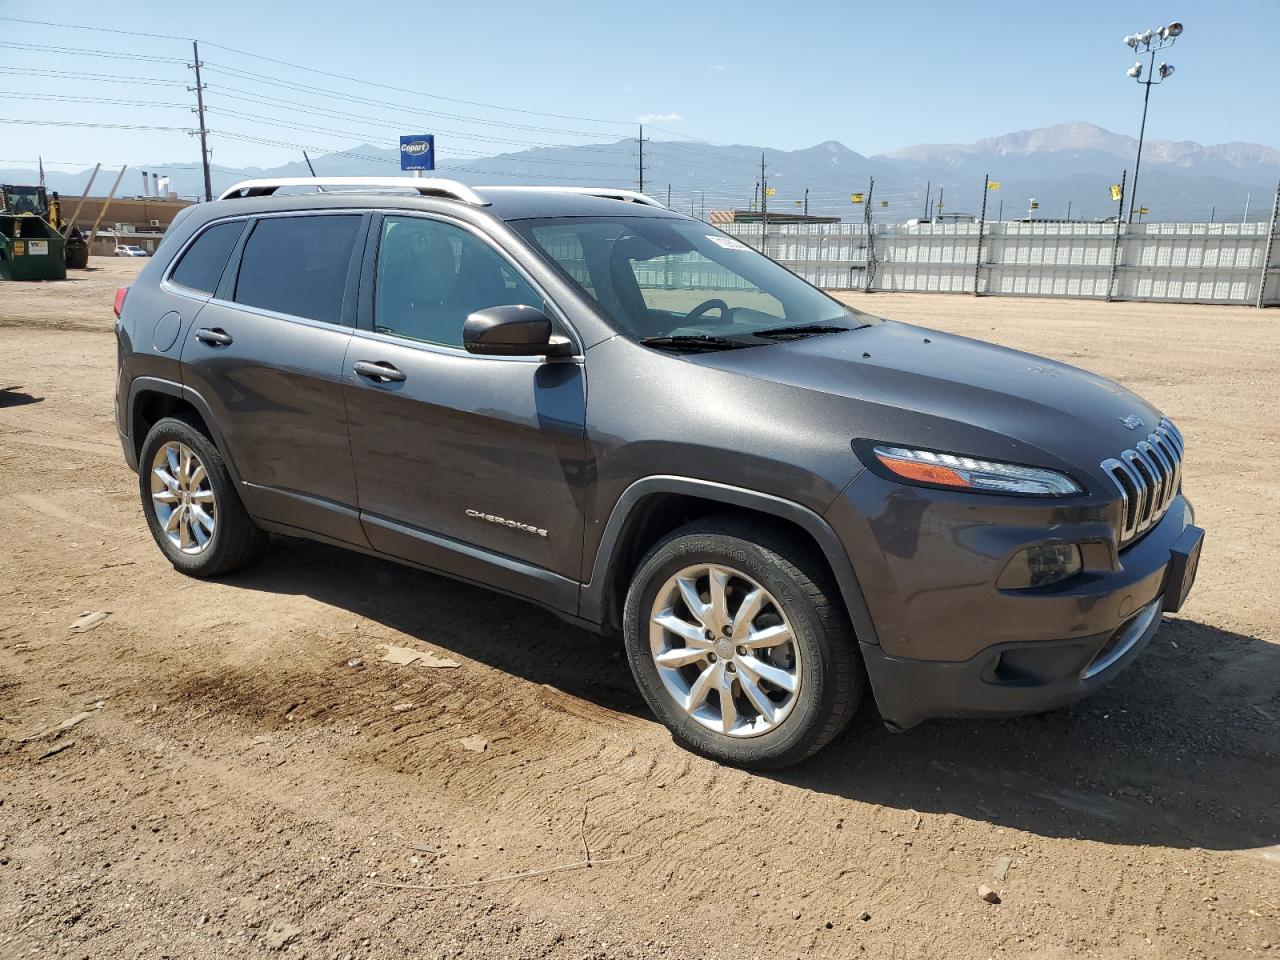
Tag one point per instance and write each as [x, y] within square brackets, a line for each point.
[938, 206]
[642, 158]
[1068, 211]
[982, 223]
[755, 195]
[204, 133]
[702, 201]
[928, 189]
[668, 196]
[1000, 213]
[806, 201]
[870, 274]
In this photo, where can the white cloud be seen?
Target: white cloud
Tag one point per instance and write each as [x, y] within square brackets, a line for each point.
[717, 68]
[672, 117]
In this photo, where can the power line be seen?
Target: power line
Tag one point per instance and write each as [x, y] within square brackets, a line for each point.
[99, 126]
[328, 93]
[80, 26]
[71, 98]
[298, 66]
[87, 52]
[96, 77]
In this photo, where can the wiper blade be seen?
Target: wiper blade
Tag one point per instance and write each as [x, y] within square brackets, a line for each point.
[800, 330]
[690, 341]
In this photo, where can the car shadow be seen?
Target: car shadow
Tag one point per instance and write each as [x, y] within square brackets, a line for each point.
[1181, 750]
[14, 397]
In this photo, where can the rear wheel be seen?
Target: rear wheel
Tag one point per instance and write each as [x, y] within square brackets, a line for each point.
[737, 645]
[191, 504]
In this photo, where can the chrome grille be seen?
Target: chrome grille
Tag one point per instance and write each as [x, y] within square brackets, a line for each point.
[1148, 477]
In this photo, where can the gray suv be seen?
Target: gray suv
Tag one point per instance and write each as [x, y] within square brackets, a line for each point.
[783, 505]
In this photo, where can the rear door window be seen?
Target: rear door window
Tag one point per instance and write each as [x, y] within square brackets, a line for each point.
[201, 266]
[298, 265]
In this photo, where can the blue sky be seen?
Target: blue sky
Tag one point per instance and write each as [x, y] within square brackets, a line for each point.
[875, 76]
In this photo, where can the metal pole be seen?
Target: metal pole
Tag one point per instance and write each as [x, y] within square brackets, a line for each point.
[982, 222]
[1115, 244]
[928, 189]
[1271, 238]
[89, 186]
[668, 196]
[1000, 214]
[764, 206]
[1133, 196]
[806, 201]
[204, 133]
[1247, 198]
[93, 234]
[1068, 211]
[870, 277]
[642, 158]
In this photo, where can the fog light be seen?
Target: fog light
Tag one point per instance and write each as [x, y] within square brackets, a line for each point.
[1041, 566]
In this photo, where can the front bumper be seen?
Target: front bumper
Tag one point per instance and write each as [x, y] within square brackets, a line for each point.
[1009, 679]
[950, 643]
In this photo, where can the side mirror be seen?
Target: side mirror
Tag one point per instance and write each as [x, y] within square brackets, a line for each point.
[513, 331]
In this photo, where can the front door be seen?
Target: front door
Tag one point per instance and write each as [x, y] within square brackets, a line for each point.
[470, 465]
[267, 352]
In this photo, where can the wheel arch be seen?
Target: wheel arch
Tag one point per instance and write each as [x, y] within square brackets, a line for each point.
[152, 398]
[653, 506]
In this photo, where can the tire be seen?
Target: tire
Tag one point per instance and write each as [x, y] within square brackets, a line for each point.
[190, 545]
[820, 659]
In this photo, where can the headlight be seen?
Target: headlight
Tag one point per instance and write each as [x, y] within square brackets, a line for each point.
[954, 470]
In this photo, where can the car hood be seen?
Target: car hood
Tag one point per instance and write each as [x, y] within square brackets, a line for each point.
[952, 393]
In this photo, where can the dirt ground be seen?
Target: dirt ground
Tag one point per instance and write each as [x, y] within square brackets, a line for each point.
[245, 775]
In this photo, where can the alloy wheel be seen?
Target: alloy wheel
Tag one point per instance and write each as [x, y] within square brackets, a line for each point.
[725, 651]
[182, 498]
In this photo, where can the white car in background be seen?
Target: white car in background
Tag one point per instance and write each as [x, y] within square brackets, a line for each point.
[127, 250]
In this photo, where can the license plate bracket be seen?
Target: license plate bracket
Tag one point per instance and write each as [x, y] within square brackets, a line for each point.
[1184, 561]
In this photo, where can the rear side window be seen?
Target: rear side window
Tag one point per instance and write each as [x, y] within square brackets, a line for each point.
[201, 266]
[298, 265]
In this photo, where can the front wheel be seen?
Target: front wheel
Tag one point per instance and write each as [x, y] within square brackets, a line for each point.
[738, 645]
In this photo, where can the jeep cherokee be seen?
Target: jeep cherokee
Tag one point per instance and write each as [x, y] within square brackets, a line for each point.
[583, 399]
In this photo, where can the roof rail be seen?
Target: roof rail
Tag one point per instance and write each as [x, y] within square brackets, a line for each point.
[427, 186]
[628, 196]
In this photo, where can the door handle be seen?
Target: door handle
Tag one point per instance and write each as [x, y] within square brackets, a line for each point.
[381, 372]
[214, 336]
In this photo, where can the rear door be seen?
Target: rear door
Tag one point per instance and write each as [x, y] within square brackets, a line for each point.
[266, 353]
[471, 465]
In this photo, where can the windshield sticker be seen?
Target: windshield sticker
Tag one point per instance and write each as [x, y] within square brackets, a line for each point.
[727, 242]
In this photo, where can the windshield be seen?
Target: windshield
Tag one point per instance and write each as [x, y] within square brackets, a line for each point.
[664, 278]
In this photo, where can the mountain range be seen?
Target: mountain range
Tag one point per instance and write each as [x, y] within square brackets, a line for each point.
[1065, 164]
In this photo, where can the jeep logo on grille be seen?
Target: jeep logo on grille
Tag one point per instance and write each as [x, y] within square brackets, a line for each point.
[1132, 422]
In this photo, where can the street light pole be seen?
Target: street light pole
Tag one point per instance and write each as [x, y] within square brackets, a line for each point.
[1149, 41]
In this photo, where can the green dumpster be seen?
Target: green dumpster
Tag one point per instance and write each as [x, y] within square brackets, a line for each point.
[30, 249]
